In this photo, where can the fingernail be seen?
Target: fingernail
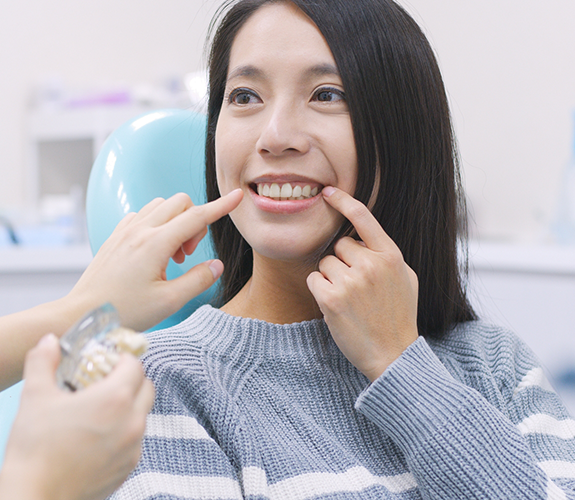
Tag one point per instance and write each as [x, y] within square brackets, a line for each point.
[47, 340]
[328, 191]
[217, 268]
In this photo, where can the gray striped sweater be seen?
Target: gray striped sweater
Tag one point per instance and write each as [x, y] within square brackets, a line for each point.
[248, 409]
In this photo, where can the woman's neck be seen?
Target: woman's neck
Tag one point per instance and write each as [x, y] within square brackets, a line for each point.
[277, 293]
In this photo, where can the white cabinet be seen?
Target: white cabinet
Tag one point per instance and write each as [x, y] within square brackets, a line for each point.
[33, 275]
[64, 142]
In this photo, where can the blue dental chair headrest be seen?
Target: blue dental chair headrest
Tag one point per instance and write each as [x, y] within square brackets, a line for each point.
[157, 154]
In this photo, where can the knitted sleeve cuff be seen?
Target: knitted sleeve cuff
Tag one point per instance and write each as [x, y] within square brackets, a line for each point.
[413, 397]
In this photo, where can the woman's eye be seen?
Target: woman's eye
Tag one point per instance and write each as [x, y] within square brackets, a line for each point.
[329, 95]
[243, 97]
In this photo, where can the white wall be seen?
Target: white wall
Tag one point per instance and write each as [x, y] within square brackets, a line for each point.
[86, 43]
[509, 66]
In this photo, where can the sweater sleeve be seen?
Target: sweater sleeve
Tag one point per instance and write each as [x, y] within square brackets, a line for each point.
[458, 445]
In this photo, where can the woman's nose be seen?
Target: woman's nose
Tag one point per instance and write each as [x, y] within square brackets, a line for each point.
[282, 132]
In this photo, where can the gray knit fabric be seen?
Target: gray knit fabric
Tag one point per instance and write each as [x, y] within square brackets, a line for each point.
[248, 409]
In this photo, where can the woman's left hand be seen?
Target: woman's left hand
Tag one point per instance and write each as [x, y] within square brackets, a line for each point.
[366, 291]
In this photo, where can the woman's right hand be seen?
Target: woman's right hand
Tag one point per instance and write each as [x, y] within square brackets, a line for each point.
[129, 270]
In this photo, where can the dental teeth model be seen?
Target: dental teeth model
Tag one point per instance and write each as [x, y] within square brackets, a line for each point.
[286, 191]
[99, 357]
[92, 347]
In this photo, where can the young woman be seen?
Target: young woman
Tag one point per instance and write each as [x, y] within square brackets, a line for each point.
[345, 361]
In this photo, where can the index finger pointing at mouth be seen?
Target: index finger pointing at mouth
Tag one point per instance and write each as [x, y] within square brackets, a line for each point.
[366, 225]
[200, 216]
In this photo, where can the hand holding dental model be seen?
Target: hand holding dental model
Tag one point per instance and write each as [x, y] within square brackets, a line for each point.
[366, 292]
[85, 443]
[129, 271]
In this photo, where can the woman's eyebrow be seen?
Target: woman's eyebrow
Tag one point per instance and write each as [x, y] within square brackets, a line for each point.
[322, 70]
[247, 70]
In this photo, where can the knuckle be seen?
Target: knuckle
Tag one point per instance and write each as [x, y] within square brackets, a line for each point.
[333, 300]
[200, 212]
[324, 263]
[358, 211]
[183, 199]
[369, 267]
[342, 244]
[394, 259]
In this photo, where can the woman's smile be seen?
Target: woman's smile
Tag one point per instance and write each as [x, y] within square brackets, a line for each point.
[284, 195]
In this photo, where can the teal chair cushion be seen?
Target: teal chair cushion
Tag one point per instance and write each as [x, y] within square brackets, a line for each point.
[9, 401]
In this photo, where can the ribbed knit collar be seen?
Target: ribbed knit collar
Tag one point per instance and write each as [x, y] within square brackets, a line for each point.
[223, 332]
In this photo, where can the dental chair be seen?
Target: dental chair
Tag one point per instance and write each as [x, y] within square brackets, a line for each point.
[154, 155]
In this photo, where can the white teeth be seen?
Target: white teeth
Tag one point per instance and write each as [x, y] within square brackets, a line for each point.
[275, 191]
[285, 191]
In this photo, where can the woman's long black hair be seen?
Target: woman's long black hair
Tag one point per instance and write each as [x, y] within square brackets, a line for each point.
[404, 141]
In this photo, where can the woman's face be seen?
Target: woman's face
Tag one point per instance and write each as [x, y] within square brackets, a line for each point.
[283, 133]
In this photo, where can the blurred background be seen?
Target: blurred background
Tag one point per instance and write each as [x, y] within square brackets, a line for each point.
[71, 72]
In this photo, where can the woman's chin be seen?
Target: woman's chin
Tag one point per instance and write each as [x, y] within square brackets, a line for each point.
[293, 250]
[305, 256]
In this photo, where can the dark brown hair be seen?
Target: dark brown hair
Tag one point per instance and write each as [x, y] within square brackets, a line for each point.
[403, 136]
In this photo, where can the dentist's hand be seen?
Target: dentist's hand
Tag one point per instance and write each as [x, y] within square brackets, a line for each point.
[130, 268]
[130, 272]
[366, 291]
[72, 446]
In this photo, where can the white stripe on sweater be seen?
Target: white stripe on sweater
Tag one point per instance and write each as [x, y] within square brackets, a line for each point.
[548, 425]
[558, 469]
[175, 427]
[302, 487]
[554, 492]
[310, 485]
[534, 378]
[151, 484]
[254, 479]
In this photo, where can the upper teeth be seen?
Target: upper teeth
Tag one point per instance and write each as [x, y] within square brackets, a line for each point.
[286, 191]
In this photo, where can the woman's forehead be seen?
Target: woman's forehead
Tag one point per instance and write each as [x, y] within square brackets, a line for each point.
[279, 33]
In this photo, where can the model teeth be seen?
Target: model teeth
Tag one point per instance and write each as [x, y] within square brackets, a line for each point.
[286, 191]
